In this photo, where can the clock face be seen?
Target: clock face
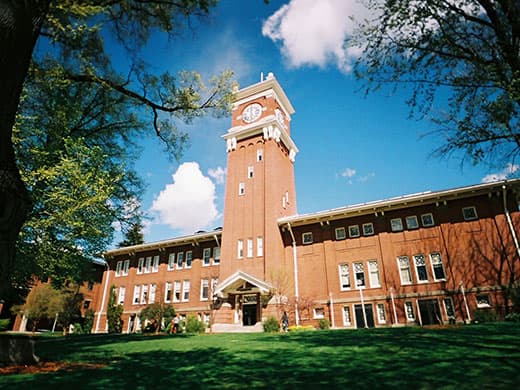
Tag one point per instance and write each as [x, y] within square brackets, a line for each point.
[252, 112]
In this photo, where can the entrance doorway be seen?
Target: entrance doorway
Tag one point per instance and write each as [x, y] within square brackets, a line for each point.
[360, 319]
[430, 312]
[249, 314]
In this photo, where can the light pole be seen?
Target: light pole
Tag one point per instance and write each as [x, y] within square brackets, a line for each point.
[360, 287]
[465, 301]
[393, 304]
[104, 296]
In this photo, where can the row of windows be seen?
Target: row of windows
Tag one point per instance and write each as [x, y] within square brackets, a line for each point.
[358, 271]
[178, 260]
[249, 247]
[421, 268]
[177, 291]
[396, 225]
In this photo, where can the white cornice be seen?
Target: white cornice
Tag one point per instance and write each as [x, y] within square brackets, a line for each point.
[241, 132]
[263, 88]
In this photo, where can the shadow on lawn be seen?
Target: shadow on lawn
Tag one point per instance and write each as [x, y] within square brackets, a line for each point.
[377, 358]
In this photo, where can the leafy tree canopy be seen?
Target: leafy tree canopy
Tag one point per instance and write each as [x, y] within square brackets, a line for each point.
[469, 49]
[80, 116]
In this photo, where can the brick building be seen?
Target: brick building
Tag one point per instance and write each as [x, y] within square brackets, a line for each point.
[427, 258]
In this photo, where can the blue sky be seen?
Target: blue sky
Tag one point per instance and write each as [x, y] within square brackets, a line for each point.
[353, 148]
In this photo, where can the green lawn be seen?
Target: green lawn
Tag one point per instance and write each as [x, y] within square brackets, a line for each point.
[466, 357]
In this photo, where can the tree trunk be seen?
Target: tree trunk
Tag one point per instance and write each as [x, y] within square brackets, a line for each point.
[20, 23]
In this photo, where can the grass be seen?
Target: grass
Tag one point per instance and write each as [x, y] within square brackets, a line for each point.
[467, 357]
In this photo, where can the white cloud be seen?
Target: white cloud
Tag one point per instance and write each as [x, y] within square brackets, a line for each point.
[188, 204]
[218, 174]
[504, 174]
[313, 32]
[348, 172]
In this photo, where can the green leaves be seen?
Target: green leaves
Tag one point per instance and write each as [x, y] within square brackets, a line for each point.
[466, 49]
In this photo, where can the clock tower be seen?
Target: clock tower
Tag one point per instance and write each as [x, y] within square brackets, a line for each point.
[260, 181]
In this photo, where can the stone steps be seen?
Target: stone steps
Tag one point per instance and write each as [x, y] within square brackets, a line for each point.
[237, 328]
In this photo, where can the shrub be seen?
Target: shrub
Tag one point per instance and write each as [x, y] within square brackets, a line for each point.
[300, 328]
[193, 325]
[513, 317]
[89, 321]
[480, 316]
[271, 325]
[323, 324]
[4, 324]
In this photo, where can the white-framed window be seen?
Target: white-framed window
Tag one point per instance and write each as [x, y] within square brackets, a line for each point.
[449, 308]
[469, 213]
[307, 238]
[411, 222]
[340, 233]
[427, 220]
[168, 292]
[140, 265]
[346, 316]
[368, 229]
[373, 274]
[155, 267]
[240, 249]
[353, 231]
[259, 155]
[344, 277]
[137, 294]
[119, 266]
[186, 291]
[206, 257]
[259, 246]
[121, 295]
[180, 260]
[396, 224]
[483, 300]
[216, 255]
[189, 259]
[177, 291]
[241, 188]
[381, 314]
[144, 294]
[153, 289]
[359, 274]
[204, 289]
[404, 269]
[249, 247]
[126, 267]
[437, 266]
[408, 310]
[250, 172]
[148, 265]
[319, 313]
[420, 268]
[171, 261]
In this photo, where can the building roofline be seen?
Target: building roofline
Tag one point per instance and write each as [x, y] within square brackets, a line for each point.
[399, 202]
[269, 83]
[192, 238]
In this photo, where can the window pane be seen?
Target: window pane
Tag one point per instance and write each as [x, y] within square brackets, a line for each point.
[404, 270]
[438, 268]
[396, 224]
[359, 271]
[420, 266]
[344, 276]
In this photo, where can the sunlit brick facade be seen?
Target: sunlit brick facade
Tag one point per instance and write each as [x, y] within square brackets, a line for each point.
[428, 258]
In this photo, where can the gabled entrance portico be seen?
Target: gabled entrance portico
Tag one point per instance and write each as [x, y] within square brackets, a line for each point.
[242, 296]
